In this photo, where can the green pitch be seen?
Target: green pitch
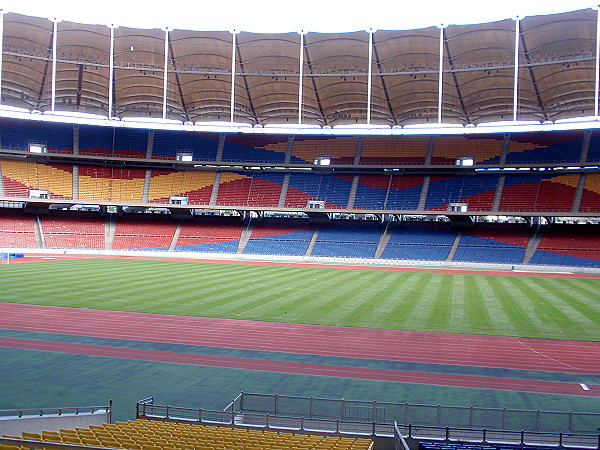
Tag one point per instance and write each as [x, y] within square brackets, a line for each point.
[563, 308]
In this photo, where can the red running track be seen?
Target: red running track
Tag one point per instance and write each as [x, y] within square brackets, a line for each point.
[438, 348]
[305, 368]
[393, 345]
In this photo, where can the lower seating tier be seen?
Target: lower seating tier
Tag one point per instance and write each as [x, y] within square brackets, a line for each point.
[561, 245]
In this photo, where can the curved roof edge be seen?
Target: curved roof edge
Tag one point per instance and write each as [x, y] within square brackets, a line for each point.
[577, 123]
[314, 16]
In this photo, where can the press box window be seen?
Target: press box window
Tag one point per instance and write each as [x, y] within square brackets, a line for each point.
[315, 204]
[173, 200]
[36, 193]
[465, 161]
[458, 207]
[38, 148]
[184, 156]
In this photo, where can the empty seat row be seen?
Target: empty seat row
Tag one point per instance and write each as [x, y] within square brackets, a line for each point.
[155, 435]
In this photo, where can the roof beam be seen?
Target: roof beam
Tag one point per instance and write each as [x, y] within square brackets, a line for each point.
[451, 64]
[243, 74]
[383, 85]
[312, 78]
[79, 84]
[532, 75]
[178, 82]
[48, 61]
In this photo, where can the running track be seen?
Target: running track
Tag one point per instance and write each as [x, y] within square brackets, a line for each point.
[439, 348]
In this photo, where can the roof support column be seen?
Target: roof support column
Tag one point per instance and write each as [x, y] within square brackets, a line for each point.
[441, 76]
[232, 107]
[301, 80]
[166, 73]
[2, 48]
[516, 76]
[54, 40]
[597, 62]
[111, 75]
[369, 80]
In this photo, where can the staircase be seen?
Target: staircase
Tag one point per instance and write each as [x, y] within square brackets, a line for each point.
[245, 237]
[534, 241]
[311, 245]
[454, 246]
[383, 240]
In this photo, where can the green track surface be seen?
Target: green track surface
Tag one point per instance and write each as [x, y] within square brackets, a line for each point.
[545, 307]
[264, 355]
[36, 379]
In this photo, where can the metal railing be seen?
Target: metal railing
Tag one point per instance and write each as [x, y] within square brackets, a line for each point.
[231, 417]
[399, 442]
[146, 409]
[41, 412]
[492, 436]
[418, 414]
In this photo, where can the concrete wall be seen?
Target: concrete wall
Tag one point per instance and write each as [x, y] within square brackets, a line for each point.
[14, 426]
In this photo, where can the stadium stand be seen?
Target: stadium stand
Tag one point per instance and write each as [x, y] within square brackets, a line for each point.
[155, 435]
[430, 241]
[258, 149]
[531, 192]
[210, 234]
[477, 191]
[493, 243]
[346, 238]
[539, 148]
[280, 237]
[590, 199]
[423, 445]
[483, 149]
[569, 245]
[593, 155]
[394, 150]
[334, 190]
[69, 229]
[144, 231]
[340, 149]
[17, 229]
[115, 142]
[110, 183]
[388, 191]
[18, 135]
[167, 144]
[430, 189]
[20, 177]
[249, 190]
[196, 185]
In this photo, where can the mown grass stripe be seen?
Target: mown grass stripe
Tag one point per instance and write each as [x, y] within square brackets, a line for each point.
[513, 314]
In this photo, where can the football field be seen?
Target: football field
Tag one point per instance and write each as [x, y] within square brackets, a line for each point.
[458, 302]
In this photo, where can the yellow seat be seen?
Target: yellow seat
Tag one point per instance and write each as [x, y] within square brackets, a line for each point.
[10, 447]
[64, 432]
[68, 439]
[32, 436]
[106, 442]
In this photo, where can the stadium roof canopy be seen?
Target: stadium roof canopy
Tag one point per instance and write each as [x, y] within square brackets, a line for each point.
[381, 78]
